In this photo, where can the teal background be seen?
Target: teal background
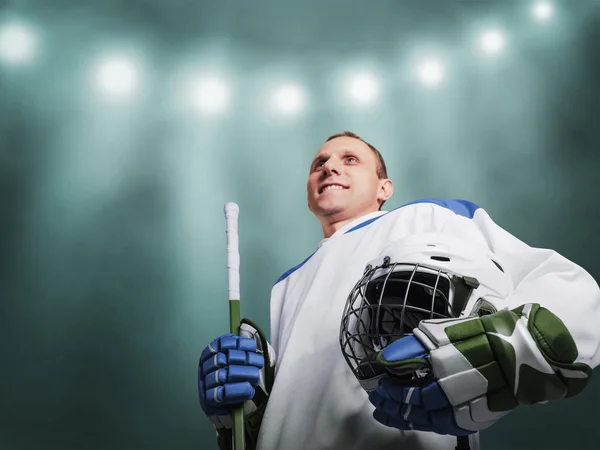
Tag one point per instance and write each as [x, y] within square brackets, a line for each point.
[112, 242]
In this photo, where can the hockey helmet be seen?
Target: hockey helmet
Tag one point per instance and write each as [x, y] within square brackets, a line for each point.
[427, 276]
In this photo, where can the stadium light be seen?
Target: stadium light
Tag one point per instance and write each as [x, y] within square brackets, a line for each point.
[289, 99]
[430, 72]
[492, 41]
[364, 89]
[18, 43]
[210, 95]
[542, 11]
[117, 76]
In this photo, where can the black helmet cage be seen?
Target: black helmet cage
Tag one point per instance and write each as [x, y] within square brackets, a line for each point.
[381, 309]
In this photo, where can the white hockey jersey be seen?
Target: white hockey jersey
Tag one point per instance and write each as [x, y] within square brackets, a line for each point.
[316, 403]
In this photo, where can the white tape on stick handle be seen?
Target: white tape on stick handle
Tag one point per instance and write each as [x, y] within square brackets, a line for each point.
[232, 211]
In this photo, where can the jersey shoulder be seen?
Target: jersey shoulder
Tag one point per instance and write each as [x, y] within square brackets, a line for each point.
[464, 208]
[459, 207]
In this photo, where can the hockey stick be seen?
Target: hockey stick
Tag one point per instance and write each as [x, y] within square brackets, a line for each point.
[232, 211]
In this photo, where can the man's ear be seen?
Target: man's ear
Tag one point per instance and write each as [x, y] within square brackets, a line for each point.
[386, 189]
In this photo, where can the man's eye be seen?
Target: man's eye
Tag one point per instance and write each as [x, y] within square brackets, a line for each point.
[351, 158]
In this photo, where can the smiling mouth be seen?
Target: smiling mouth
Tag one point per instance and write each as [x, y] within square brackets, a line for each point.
[333, 187]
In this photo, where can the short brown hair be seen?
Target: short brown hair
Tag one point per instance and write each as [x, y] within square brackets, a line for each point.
[381, 169]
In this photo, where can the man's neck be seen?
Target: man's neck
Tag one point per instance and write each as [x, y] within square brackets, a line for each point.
[330, 228]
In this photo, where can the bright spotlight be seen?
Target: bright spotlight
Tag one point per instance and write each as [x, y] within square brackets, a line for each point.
[492, 41]
[210, 95]
[542, 11]
[18, 43]
[117, 76]
[431, 72]
[364, 88]
[289, 99]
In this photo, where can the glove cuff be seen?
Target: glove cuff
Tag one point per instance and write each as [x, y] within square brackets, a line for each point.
[536, 352]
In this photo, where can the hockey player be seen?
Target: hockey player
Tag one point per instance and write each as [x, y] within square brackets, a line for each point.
[537, 341]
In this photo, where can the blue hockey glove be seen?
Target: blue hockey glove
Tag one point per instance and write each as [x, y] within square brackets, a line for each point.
[235, 370]
[459, 376]
[228, 372]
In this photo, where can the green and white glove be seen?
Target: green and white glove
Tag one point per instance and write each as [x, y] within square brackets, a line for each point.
[472, 371]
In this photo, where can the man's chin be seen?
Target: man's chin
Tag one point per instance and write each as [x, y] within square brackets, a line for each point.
[330, 210]
[339, 211]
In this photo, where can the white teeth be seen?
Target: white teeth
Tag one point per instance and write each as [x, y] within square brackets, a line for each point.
[333, 187]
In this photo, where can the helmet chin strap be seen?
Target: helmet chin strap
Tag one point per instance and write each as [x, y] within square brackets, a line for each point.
[463, 288]
[370, 384]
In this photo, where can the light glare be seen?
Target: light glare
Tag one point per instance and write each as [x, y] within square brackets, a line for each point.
[492, 41]
[431, 72]
[289, 99]
[364, 88]
[118, 76]
[18, 43]
[542, 11]
[210, 95]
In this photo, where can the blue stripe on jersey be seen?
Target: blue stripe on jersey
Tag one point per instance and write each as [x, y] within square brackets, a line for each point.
[293, 269]
[460, 207]
[463, 208]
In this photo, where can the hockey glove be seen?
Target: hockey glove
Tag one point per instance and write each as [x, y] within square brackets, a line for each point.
[467, 373]
[235, 370]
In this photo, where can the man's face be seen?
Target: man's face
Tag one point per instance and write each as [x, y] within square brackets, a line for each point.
[343, 182]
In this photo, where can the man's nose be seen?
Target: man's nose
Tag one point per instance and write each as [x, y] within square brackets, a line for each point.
[330, 167]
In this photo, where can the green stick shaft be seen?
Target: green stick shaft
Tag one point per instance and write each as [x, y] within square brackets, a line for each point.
[238, 413]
